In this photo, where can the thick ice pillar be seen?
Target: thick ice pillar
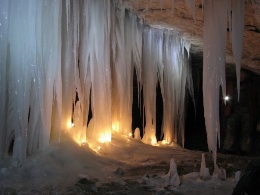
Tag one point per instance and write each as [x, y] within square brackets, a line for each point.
[152, 57]
[176, 74]
[125, 50]
[98, 20]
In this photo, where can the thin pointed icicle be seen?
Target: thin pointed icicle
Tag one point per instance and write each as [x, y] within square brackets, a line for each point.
[191, 6]
[161, 4]
[214, 53]
[172, 7]
[238, 12]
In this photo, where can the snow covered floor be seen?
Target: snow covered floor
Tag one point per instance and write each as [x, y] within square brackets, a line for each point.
[124, 166]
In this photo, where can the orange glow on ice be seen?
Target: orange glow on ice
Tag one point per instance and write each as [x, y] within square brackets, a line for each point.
[115, 126]
[105, 137]
[70, 124]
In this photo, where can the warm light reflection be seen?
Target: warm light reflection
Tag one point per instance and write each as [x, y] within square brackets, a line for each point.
[115, 126]
[130, 134]
[70, 124]
[153, 141]
[164, 142]
[83, 141]
[105, 137]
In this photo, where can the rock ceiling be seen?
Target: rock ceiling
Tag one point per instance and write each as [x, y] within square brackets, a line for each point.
[160, 15]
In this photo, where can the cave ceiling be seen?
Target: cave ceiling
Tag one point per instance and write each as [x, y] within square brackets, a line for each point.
[159, 14]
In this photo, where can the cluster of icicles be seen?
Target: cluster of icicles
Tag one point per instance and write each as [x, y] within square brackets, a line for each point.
[51, 50]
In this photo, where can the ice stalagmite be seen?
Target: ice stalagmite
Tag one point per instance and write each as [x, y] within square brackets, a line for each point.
[237, 32]
[4, 17]
[214, 53]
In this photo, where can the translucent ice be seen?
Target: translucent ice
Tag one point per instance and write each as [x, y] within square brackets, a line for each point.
[214, 54]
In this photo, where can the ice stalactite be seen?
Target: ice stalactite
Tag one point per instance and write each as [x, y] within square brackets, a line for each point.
[214, 55]
[172, 7]
[237, 32]
[4, 25]
[191, 6]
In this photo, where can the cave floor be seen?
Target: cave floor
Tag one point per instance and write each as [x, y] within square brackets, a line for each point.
[124, 166]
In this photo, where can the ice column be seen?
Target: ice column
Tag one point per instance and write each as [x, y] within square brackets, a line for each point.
[97, 55]
[69, 59]
[152, 57]
[30, 73]
[176, 75]
[214, 53]
[122, 72]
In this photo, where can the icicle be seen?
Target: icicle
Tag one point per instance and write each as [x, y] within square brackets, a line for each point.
[67, 13]
[191, 5]
[202, 6]
[238, 12]
[161, 4]
[214, 52]
[4, 17]
[172, 7]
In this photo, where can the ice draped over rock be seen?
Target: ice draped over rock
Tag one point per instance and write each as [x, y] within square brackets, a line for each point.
[55, 53]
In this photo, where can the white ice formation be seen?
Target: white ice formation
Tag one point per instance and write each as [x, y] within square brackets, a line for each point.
[54, 51]
[59, 57]
[216, 14]
[172, 177]
[204, 171]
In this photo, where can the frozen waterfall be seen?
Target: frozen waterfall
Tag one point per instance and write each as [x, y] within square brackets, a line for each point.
[57, 57]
